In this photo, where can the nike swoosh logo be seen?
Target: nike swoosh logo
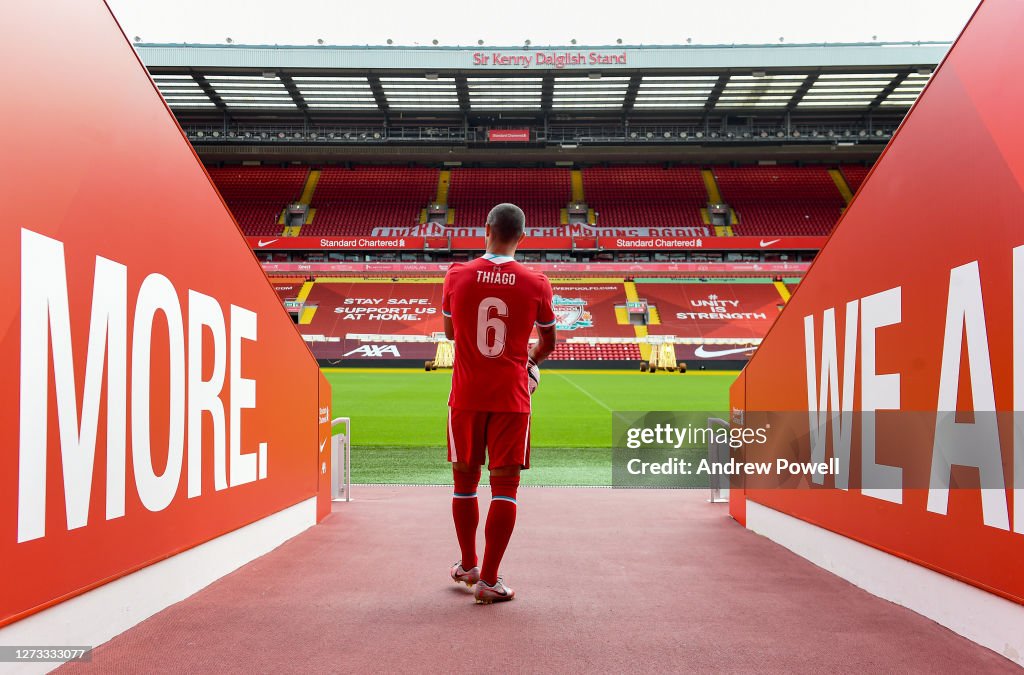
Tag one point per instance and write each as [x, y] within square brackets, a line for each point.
[769, 243]
[702, 353]
[322, 445]
[262, 243]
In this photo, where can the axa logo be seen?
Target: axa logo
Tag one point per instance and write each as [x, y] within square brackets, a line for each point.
[115, 375]
[375, 351]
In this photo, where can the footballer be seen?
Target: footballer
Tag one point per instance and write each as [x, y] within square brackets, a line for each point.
[490, 308]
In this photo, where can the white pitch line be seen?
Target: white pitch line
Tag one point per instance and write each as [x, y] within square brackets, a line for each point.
[585, 392]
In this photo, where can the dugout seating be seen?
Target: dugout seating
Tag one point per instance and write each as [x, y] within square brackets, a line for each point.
[257, 195]
[578, 351]
[541, 193]
[353, 202]
[645, 196]
[780, 200]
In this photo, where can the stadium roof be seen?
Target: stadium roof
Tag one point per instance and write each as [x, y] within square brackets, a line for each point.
[324, 82]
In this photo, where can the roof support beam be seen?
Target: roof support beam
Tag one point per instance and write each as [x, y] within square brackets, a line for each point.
[631, 92]
[378, 93]
[716, 93]
[293, 91]
[801, 91]
[889, 88]
[462, 91]
[547, 92]
[209, 91]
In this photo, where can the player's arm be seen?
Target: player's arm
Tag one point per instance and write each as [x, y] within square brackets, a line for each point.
[545, 345]
[545, 326]
[446, 306]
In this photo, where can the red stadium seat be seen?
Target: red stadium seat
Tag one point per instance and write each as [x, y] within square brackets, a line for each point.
[781, 200]
[352, 202]
[257, 195]
[541, 193]
[645, 196]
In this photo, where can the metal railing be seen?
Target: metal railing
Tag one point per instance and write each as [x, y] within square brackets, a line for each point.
[718, 454]
[341, 461]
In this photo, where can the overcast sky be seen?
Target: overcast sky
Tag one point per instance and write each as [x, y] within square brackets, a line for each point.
[410, 22]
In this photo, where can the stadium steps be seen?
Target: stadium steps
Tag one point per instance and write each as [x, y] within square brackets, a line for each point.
[576, 181]
[423, 216]
[303, 293]
[711, 185]
[309, 215]
[621, 315]
[654, 317]
[291, 231]
[444, 179]
[450, 218]
[783, 291]
[564, 216]
[307, 313]
[310, 187]
[641, 331]
[591, 218]
[840, 181]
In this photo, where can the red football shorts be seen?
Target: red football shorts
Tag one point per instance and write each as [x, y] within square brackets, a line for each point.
[503, 436]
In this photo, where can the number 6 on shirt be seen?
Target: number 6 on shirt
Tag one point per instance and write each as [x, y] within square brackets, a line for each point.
[490, 330]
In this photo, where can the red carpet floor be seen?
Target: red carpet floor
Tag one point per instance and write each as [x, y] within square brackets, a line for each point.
[607, 580]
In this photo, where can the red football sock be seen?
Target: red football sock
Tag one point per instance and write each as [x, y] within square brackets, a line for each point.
[501, 520]
[466, 514]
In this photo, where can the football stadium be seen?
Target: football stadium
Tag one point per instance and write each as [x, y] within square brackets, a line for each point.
[731, 386]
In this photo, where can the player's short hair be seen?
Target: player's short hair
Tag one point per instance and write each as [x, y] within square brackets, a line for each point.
[507, 222]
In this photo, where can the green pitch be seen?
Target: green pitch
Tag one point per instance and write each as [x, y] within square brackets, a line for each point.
[399, 417]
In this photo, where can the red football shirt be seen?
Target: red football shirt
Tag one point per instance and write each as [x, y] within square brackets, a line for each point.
[494, 302]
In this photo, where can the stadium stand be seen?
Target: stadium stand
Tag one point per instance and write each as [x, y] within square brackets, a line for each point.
[352, 202]
[712, 310]
[645, 196]
[854, 175]
[780, 200]
[541, 193]
[257, 195]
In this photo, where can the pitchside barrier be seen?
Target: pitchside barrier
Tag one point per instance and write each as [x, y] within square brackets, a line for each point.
[933, 322]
